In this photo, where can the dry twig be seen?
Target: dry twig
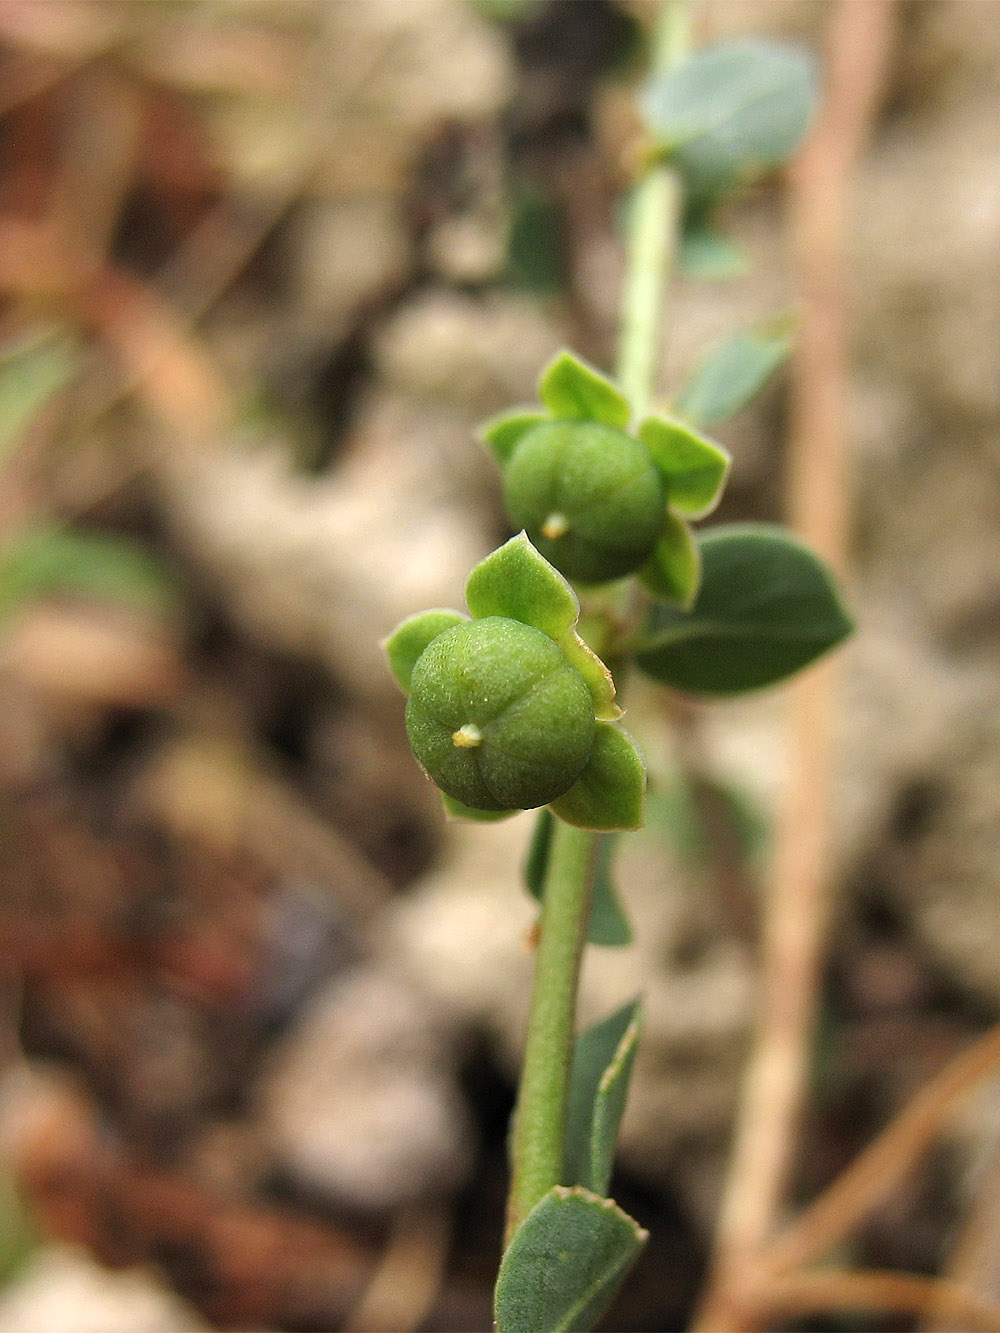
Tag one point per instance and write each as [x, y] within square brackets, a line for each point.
[797, 908]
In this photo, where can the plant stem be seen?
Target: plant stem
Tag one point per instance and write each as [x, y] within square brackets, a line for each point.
[653, 225]
[540, 1119]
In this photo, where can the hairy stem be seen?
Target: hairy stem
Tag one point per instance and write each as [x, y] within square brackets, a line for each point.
[540, 1118]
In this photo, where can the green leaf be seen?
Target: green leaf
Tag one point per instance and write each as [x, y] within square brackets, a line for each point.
[708, 255]
[767, 607]
[536, 863]
[610, 792]
[695, 468]
[602, 1064]
[704, 818]
[599, 680]
[608, 925]
[731, 376]
[536, 246]
[574, 391]
[30, 373]
[732, 111]
[517, 582]
[46, 562]
[673, 572]
[19, 1237]
[503, 433]
[456, 810]
[411, 636]
[565, 1263]
[609, 1105]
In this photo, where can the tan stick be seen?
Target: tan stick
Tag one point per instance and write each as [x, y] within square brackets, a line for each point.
[862, 1292]
[798, 905]
[882, 1164]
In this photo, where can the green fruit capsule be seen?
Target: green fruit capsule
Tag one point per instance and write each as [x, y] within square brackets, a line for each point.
[498, 717]
[589, 496]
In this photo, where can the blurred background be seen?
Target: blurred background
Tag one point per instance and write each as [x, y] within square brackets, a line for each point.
[263, 267]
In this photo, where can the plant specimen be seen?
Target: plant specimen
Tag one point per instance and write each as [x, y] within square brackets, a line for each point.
[510, 709]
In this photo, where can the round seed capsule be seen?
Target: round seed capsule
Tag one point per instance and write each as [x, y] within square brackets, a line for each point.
[498, 717]
[589, 496]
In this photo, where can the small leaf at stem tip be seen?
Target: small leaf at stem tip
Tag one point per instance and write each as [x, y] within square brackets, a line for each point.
[673, 572]
[695, 468]
[565, 1263]
[731, 376]
[456, 810]
[767, 607]
[573, 390]
[519, 583]
[610, 792]
[731, 111]
[602, 1061]
[411, 636]
[503, 433]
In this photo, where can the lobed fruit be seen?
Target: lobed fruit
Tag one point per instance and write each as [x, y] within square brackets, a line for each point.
[498, 717]
[589, 497]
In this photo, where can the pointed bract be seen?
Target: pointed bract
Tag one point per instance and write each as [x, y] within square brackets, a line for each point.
[411, 636]
[517, 582]
[610, 793]
[573, 390]
[503, 433]
[673, 572]
[599, 679]
[694, 467]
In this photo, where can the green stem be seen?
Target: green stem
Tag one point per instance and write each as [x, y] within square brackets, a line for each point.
[540, 1119]
[538, 1141]
[653, 225]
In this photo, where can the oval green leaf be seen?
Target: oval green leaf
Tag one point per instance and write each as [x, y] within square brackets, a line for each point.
[565, 1263]
[411, 636]
[767, 607]
[517, 582]
[732, 111]
[610, 793]
[575, 391]
[731, 376]
[695, 468]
